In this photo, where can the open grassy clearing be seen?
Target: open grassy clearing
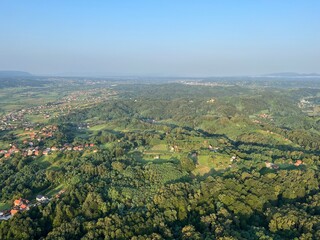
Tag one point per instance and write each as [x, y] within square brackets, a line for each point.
[51, 192]
[99, 127]
[278, 137]
[212, 161]
[159, 147]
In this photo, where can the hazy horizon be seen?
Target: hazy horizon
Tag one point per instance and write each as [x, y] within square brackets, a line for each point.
[167, 38]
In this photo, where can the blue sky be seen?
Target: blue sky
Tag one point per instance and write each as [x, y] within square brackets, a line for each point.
[162, 38]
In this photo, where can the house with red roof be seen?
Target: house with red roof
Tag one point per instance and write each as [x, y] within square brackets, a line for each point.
[298, 163]
[14, 211]
[19, 202]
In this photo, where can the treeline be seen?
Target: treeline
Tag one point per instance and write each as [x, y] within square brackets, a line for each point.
[10, 82]
[111, 194]
[118, 198]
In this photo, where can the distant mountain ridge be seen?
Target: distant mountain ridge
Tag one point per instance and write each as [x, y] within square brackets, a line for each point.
[291, 74]
[14, 74]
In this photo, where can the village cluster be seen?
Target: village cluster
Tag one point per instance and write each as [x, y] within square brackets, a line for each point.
[14, 120]
[21, 205]
[30, 145]
[201, 83]
[310, 106]
[19, 119]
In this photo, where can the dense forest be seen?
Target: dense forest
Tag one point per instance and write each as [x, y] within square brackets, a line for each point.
[172, 161]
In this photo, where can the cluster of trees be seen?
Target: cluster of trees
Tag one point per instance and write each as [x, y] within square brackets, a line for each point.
[113, 195]
[21, 178]
[11, 82]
